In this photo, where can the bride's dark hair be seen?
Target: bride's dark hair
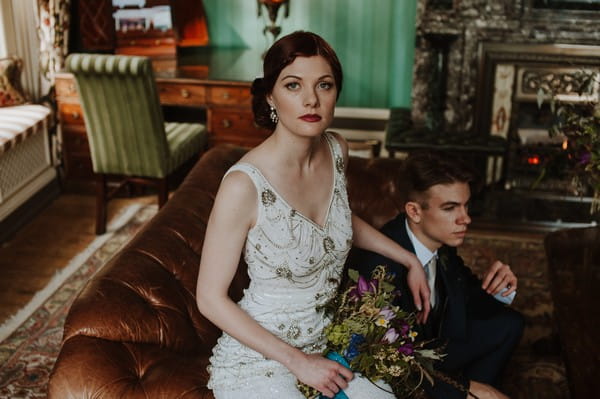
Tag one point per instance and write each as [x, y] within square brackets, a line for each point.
[281, 54]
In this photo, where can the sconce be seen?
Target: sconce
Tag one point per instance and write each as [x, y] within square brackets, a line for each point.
[272, 7]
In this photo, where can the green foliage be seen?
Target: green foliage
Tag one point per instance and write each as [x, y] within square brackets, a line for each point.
[579, 123]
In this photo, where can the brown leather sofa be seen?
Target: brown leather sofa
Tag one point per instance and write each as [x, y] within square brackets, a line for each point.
[135, 330]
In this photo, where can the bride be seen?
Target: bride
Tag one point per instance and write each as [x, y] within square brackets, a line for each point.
[284, 205]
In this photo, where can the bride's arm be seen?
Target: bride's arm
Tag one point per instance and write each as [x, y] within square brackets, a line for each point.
[234, 212]
[367, 237]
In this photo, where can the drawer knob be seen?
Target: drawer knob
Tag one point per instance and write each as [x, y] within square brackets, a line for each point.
[185, 93]
[75, 115]
[132, 42]
[226, 123]
[226, 95]
[157, 42]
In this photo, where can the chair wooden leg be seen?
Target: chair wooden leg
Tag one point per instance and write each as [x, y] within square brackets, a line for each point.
[163, 192]
[101, 204]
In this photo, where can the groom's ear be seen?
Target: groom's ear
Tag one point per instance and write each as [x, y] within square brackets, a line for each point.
[413, 211]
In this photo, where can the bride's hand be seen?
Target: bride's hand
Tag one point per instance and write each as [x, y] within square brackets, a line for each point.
[325, 375]
[417, 282]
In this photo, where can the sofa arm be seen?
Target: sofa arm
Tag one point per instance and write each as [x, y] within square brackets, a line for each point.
[96, 368]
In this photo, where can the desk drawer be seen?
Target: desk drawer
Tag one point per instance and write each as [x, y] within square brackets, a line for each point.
[70, 114]
[235, 126]
[75, 141]
[65, 86]
[79, 167]
[224, 95]
[181, 94]
[76, 152]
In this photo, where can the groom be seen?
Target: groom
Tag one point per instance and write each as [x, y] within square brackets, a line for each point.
[469, 316]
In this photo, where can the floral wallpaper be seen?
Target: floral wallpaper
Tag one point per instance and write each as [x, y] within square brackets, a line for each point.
[53, 32]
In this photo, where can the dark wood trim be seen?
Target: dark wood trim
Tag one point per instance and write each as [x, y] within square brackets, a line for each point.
[27, 211]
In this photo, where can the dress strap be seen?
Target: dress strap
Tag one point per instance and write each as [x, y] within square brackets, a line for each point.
[252, 172]
[336, 152]
[260, 182]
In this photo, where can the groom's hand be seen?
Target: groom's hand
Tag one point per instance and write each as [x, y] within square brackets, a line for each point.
[484, 391]
[498, 277]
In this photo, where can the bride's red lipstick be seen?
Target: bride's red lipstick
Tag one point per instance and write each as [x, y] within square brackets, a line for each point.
[311, 118]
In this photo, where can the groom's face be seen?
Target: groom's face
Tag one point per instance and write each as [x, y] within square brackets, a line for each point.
[443, 216]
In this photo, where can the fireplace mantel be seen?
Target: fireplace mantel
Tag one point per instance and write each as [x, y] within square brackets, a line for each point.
[474, 23]
[552, 57]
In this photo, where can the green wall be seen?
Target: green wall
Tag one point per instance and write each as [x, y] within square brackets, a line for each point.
[374, 40]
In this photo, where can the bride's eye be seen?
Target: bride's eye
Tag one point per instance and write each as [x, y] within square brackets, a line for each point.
[292, 85]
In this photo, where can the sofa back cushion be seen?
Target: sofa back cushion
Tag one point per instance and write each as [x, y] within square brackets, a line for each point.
[147, 292]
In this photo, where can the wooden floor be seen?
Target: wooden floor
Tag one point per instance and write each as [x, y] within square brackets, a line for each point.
[32, 257]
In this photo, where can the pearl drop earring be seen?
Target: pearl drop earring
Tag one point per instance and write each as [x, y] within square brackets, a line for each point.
[273, 115]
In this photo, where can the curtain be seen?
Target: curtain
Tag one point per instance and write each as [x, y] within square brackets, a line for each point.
[18, 37]
[53, 32]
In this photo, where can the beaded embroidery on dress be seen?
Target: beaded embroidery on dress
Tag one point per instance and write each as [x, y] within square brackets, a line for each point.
[295, 268]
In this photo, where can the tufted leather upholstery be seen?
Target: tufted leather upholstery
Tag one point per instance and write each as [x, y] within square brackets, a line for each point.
[135, 330]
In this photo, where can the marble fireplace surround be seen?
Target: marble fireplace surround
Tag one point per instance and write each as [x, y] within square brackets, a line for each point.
[474, 37]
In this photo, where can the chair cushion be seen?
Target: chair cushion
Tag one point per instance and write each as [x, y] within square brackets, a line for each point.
[184, 140]
[11, 92]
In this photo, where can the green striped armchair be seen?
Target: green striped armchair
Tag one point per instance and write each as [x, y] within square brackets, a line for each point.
[125, 127]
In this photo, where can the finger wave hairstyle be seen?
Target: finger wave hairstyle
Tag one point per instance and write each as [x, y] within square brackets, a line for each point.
[281, 54]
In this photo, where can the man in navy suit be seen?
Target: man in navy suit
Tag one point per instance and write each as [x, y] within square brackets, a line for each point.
[469, 316]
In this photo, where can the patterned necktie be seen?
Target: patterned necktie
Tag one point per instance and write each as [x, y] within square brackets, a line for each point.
[430, 271]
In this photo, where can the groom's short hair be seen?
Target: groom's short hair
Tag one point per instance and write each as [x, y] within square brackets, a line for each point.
[425, 169]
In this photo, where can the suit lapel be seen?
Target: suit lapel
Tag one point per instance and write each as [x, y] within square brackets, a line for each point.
[454, 324]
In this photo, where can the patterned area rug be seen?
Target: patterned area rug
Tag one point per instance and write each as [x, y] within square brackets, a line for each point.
[535, 371]
[28, 354]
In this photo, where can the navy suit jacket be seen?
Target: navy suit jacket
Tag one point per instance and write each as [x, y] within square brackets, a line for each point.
[463, 295]
[461, 298]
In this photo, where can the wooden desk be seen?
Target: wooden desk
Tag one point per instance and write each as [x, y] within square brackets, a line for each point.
[217, 80]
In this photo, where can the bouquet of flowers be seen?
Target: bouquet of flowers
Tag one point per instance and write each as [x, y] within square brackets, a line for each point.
[376, 338]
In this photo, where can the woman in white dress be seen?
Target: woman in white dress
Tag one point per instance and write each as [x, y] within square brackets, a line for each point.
[284, 206]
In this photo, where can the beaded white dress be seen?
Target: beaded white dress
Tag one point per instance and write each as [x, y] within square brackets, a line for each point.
[295, 266]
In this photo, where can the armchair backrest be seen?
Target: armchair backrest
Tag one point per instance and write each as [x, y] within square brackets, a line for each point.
[122, 113]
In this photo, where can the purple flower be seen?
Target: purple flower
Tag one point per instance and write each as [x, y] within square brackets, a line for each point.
[404, 328]
[406, 349]
[585, 158]
[363, 286]
[387, 313]
[390, 336]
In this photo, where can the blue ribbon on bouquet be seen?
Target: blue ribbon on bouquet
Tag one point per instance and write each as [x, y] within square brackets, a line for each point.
[336, 357]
